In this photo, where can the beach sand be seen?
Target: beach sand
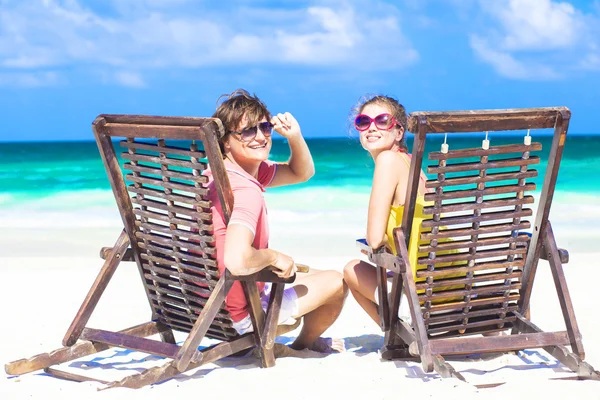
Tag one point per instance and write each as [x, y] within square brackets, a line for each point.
[47, 272]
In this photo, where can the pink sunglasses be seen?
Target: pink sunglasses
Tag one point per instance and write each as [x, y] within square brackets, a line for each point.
[362, 122]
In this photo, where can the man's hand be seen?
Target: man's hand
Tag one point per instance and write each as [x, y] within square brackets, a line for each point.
[285, 266]
[286, 125]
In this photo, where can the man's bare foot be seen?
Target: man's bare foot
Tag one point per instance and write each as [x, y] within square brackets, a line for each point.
[280, 350]
[328, 345]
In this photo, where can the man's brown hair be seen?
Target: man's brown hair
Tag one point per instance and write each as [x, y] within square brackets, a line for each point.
[231, 112]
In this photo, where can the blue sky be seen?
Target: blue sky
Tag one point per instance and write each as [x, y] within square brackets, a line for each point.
[62, 62]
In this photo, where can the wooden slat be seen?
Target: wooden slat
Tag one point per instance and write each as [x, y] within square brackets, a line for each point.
[485, 120]
[168, 298]
[478, 166]
[484, 217]
[203, 122]
[165, 232]
[177, 209]
[487, 191]
[476, 179]
[482, 230]
[166, 218]
[200, 279]
[200, 247]
[444, 271]
[150, 170]
[192, 313]
[174, 162]
[187, 291]
[179, 186]
[208, 265]
[181, 151]
[130, 342]
[195, 201]
[477, 290]
[481, 152]
[155, 131]
[467, 281]
[472, 324]
[478, 243]
[453, 257]
[474, 205]
[437, 319]
[497, 343]
[479, 301]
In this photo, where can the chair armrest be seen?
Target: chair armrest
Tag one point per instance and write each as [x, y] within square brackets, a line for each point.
[379, 256]
[564, 256]
[127, 256]
[265, 275]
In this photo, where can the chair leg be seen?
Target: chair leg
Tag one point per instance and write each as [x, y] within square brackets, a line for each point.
[91, 300]
[561, 353]
[563, 292]
[257, 315]
[169, 369]
[272, 318]
[70, 353]
[189, 349]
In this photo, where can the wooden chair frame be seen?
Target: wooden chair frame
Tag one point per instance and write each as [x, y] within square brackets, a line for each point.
[81, 340]
[524, 334]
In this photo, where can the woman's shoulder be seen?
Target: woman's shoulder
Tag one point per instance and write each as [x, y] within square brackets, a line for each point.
[392, 158]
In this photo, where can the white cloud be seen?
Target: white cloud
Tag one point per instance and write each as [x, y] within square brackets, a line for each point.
[536, 24]
[139, 35]
[130, 79]
[534, 39]
[29, 79]
[506, 65]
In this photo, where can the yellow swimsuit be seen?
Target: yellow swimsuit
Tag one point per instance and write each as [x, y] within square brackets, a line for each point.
[395, 220]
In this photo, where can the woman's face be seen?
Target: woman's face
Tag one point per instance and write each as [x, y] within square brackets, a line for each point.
[255, 150]
[374, 139]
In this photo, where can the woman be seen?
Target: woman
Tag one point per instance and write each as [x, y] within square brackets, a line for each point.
[381, 122]
[242, 245]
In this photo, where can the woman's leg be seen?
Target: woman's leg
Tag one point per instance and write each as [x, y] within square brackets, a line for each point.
[321, 295]
[361, 278]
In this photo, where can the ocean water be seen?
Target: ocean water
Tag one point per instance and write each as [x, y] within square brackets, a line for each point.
[49, 183]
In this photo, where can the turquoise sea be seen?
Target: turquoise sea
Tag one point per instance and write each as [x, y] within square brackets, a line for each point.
[49, 179]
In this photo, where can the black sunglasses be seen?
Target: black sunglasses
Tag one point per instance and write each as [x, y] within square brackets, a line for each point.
[248, 134]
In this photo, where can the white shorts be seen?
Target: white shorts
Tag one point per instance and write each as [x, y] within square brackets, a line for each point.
[289, 308]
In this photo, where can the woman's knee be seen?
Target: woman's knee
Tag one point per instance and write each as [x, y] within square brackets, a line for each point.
[350, 275]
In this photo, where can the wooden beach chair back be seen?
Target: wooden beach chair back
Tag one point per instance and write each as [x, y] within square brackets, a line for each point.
[162, 196]
[478, 241]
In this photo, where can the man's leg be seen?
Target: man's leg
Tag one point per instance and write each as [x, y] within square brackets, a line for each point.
[321, 295]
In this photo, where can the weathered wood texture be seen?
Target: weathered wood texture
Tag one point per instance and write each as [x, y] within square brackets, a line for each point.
[476, 261]
[162, 192]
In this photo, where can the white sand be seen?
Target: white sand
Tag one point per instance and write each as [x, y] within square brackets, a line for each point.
[47, 272]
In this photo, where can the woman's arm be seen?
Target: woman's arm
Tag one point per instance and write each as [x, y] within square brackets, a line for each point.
[300, 166]
[385, 181]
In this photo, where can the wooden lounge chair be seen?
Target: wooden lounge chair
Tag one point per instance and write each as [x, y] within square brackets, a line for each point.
[161, 194]
[470, 292]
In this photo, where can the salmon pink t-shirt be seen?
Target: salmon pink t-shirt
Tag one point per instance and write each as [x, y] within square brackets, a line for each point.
[249, 210]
